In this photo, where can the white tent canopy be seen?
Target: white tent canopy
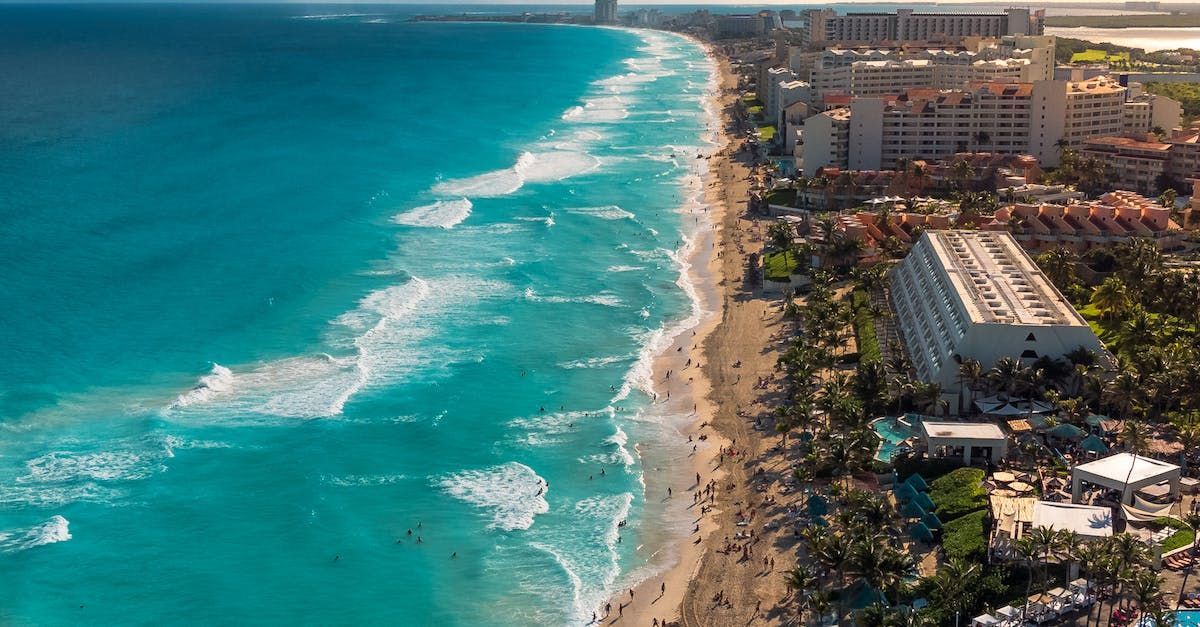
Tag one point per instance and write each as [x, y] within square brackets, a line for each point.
[1087, 521]
[1126, 473]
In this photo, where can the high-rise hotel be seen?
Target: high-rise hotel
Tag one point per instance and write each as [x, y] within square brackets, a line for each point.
[606, 12]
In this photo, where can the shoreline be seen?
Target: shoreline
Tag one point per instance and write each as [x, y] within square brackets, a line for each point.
[659, 586]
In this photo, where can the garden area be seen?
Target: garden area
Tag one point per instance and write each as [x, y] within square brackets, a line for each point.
[1099, 56]
[781, 265]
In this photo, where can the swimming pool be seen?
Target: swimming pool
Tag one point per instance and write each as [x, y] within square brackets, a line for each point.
[1187, 618]
[892, 431]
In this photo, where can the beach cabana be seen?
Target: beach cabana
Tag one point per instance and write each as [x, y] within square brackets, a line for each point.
[905, 492]
[917, 482]
[924, 501]
[976, 439]
[861, 594]
[920, 532]
[1009, 615]
[912, 510]
[1126, 473]
[931, 520]
[986, 620]
[1067, 431]
[1093, 444]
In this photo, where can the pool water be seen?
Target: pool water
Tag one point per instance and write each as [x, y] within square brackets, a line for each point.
[892, 431]
[1187, 618]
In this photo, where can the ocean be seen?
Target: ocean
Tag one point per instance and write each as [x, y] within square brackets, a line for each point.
[314, 315]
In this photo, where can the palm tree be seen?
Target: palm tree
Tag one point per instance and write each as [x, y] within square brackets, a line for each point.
[1046, 541]
[1146, 588]
[800, 581]
[970, 373]
[1125, 392]
[1128, 552]
[1092, 558]
[1110, 297]
[1059, 266]
[1026, 552]
[1135, 437]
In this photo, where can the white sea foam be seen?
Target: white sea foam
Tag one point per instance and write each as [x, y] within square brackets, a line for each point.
[54, 495]
[594, 362]
[347, 481]
[377, 337]
[512, 493]
[606, 212]
[590, 571]
[441, 214]
[611, 108]
[604, 298]
[623, 268]
[218, 381]
[57, 529]
[532, 167]
[65, 466]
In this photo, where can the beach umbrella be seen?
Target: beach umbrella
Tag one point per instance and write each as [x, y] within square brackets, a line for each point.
[1020, 486]
[931, 520]
[924, 501]
[905, 492]
[912, 510]
[1067, 431]
[1095, 419]
[817, 505]
[917, 482]
[1093, 444]
[862, 594]
[1004, 476]
[920, 532]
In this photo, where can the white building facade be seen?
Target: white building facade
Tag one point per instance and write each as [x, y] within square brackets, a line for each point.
[977, 295]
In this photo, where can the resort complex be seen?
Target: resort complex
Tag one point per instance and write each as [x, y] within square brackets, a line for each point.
[979, 278]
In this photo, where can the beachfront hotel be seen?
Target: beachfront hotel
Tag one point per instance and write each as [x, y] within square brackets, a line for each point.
[825, 25]
[876, 71]
[1004, 117]
[977, 295]
[605, 12]
[1112, 218]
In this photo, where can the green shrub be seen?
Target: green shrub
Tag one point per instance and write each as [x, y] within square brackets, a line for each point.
[964, 538]
[779, 266]
[957, 493]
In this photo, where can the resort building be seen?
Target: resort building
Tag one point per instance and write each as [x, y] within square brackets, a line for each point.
[1111, 218]
[978, 295]
[1006, 118]
[605, 12]
[1145, 112]
[880, 71]
[906, 25]
[1130, 163]
[739, 26]
[973, 441]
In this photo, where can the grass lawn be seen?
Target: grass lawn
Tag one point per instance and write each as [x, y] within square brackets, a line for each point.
[1097, 56]
[755, 110]
[779, 266]
[864, 327]
[1106, 330]
[766, 132]
[783, 197]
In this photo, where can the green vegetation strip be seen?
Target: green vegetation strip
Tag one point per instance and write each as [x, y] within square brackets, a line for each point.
[964, 537]
[779, 266]
[958, 493]
[783, 197]
[766, 132]
[864, 327]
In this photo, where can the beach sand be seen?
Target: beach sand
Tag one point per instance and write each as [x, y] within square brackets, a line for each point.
[739, 330]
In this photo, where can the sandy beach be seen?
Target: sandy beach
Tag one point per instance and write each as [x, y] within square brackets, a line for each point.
[729, 343]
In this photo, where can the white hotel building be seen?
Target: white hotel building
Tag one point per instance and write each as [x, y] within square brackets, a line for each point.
[978, 295]
[908, 25]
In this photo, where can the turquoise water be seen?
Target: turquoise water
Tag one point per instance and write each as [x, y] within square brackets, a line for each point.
[1187, 618]
[892, 432]
[282, 285]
